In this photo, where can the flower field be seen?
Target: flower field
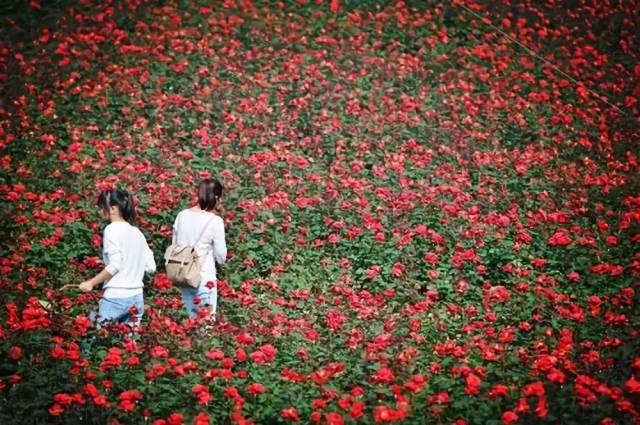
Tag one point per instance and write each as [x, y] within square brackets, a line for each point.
[427, 224]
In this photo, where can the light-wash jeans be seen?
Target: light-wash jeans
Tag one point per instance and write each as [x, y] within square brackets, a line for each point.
[196, 298]
[117, 310]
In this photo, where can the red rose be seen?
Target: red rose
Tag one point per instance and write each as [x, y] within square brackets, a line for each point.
[201, 419]
[509, 417]
[473, 384]
[384, 375]
[290, 413]
[256, 388]
[15, 353]
[560, 238]
[632, 385]
[535, 389]
[175, 419]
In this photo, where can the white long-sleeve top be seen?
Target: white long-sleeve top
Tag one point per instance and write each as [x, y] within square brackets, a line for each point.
[127, 257]
[211, 247]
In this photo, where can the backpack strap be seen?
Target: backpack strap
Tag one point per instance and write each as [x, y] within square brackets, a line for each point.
[204, 229]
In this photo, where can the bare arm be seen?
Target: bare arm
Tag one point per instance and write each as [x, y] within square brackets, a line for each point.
[88, 285]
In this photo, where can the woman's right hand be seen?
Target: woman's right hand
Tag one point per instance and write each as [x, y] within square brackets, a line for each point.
[86, 286]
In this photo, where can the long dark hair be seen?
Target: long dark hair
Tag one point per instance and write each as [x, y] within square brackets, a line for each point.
[122, 200]
[209, 193]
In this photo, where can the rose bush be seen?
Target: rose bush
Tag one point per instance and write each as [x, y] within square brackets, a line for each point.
[426, 224]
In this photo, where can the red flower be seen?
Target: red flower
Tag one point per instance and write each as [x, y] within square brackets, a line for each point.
[202, 419]
[81, 325]
[290, 413]
[244, 338]
[321, 376]
[256, 388]
[573, 277]
[63, 399]
[632, 385]
[499, 390]
[535, 389]
[112, 359]
[439, 398]
[560, 238]
[258, 357]
[556, 375]
[416, 383]
[264, 354]
[159, 351]
[473, 383]
[202, 393]
[509, 417]
[215, 354]
[357, 408]
[126, 405]
[34, 316]
[541, 408]
[384, 375]
[334, 419]
[387, 414]
[538, 262]
[128, 399]
[431, 258]
[100, 401]
[397, 269]
[91, 390]
[15, 353]
[56, 410]
[241, 355]
[522, 406]
[175, 419]
[545, 362]
[373, 272]
[269, 351]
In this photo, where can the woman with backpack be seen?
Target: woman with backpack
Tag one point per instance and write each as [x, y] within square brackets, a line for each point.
[126, 256]
[199, 231]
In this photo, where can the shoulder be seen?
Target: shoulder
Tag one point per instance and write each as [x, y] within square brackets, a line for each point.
[117, 230]
[184, 212]
[214, 217]
[137, 231]
[180, 214]
[110, 229]
[217, 220]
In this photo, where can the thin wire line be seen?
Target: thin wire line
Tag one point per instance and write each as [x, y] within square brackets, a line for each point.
[536, 55]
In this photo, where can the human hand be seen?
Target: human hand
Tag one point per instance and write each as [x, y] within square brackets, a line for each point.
[86, 286]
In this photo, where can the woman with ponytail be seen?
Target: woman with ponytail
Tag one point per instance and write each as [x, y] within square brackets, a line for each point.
[126, 256]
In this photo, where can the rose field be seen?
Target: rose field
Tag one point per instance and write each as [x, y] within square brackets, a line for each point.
[432, 209]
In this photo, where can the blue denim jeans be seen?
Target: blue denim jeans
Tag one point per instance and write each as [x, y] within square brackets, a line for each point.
[117, 310]
[196, 298]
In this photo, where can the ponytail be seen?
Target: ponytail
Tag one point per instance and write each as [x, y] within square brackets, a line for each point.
[120, 199]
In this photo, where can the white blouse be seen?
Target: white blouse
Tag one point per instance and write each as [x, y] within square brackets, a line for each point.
[127, 257]
[211, 246]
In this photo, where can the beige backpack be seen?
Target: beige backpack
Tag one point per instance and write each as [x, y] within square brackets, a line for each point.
[182, 263]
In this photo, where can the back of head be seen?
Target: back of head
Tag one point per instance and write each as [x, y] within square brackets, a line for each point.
[122, 200]
[209, 193]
